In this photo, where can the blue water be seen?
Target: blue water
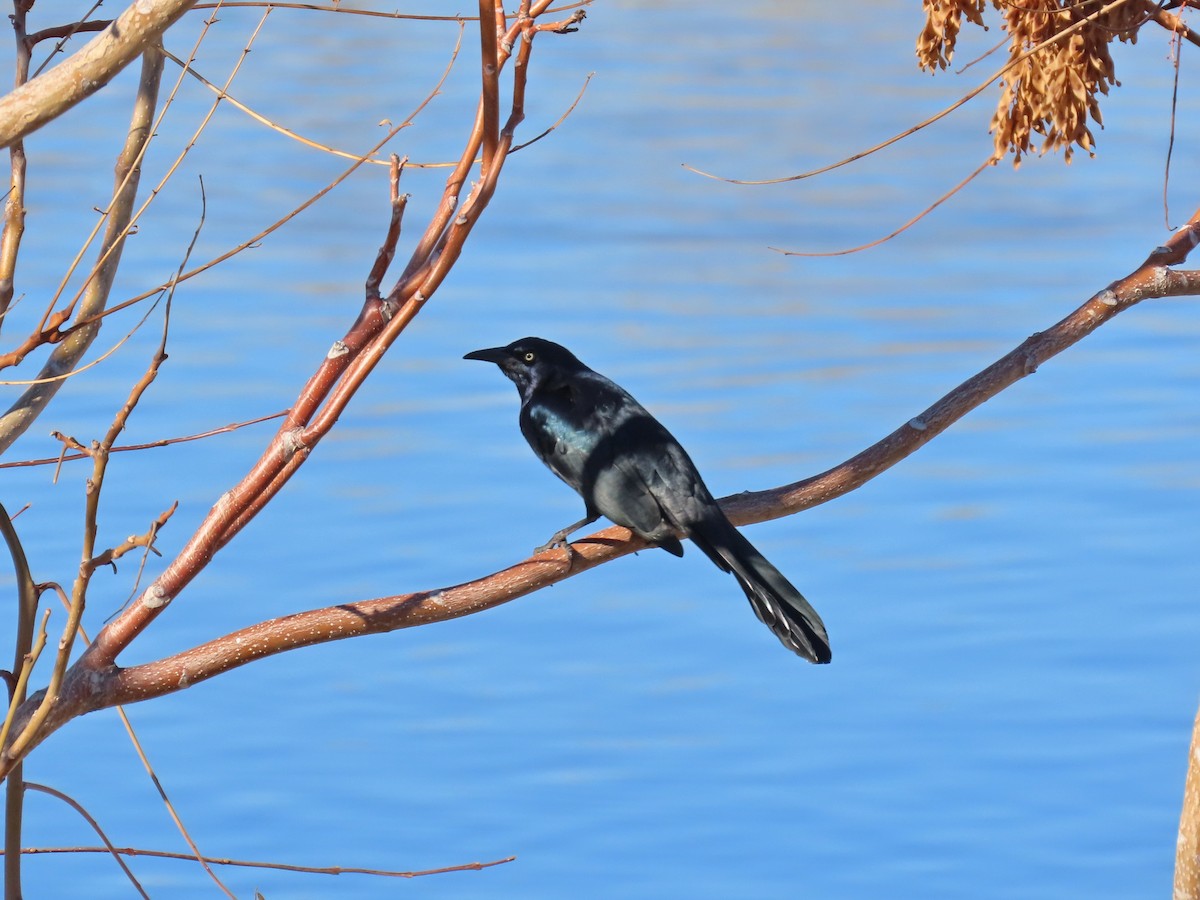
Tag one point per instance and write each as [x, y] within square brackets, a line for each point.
[1012, 609]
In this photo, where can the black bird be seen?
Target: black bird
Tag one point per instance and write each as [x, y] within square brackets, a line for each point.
[625, 465]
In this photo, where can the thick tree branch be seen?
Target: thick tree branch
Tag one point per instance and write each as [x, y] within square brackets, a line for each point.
[328, 391]
[76, 78]
[14, 206]
[1187, 846]
[316, 410]
[113, 685]
[67, 354]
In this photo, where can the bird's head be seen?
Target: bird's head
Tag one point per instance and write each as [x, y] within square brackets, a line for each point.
[530, 362]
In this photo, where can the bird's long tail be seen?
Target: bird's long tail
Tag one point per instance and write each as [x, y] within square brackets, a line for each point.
[774, 599]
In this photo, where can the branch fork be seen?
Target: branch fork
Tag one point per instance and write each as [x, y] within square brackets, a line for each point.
[95, 680]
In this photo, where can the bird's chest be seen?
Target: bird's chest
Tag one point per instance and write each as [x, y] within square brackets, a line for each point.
[562, 434]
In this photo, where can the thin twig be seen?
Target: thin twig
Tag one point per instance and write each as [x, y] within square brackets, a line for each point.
[903, 228]
[336, 7]
[387, 250]
[282, 867]
[205, 862]
[112, 554]
[21, 684]
[162, 442]
[224, 95]
[108, 845]
[279, 223]
[63, 33]
[24, 659]
[1177, 47]
[925, 123]
[557, 122]
[162, 792]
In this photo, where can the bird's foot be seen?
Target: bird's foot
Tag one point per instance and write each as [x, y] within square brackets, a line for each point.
[559, 539]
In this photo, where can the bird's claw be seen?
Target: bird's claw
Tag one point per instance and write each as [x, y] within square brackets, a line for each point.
[559, 539]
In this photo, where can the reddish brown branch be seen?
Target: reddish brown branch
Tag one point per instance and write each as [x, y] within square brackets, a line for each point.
[111, 555]
[52, 333]
[387, 250]
[327, 392]
[96, 686]
[96, 681]
[318, 406]
[58, 32]
[1170, 21]
[1153, 278]
[490, 69]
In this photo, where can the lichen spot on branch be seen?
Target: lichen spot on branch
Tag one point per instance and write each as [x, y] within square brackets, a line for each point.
[155, 597]
[291, 442]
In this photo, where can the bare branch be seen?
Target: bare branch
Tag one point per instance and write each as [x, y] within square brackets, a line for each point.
[1153, 279]
[387, 251]
[1008, 67]
[64, 357]
[48, 96]
[24, 659]
[1187, 846]
[490, 68]
[1170, 21]
[14, 206]
[279, 223]
[171, 811]
[282, 867]
[329, 389]
[84, 686]
[120, 222]
[146, 539]
[127, 448]
[90, 819]
[903, 228]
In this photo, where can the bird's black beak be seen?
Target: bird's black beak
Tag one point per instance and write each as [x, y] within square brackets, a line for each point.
[495, 355]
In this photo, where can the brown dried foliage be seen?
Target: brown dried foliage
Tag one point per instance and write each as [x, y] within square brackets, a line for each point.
[943, 20]
[1058, 66]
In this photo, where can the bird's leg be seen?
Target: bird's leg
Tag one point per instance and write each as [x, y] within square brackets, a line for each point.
[559, 538]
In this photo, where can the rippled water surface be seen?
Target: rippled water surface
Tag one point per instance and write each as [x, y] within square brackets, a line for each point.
[1013, 609]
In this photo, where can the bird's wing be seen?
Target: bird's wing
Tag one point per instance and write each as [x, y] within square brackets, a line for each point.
[645, 481]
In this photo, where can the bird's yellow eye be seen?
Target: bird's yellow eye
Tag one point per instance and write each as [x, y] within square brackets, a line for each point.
[529, 357]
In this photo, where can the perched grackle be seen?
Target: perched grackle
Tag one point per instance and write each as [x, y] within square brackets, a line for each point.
[625, 465]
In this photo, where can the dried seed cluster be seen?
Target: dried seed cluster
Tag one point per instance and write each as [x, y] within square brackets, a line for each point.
[1058, 65]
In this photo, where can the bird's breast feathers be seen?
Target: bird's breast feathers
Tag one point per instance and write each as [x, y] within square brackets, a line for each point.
[558, 438]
